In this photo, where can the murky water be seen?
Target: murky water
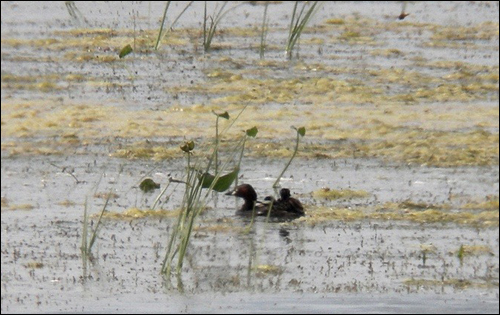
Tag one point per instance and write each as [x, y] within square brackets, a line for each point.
[336, 265]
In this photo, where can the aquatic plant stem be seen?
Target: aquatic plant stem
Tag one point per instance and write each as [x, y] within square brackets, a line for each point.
[162, 34]
[87, 244]
[209, 33]
[263, 32]
[194, 202]
[216, 149]
[300, 132]
[162, 25]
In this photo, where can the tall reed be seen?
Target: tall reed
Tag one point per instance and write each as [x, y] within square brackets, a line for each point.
[209, 29]
[263, 33]
[86, 246]
[298, 23]
[161, 33]
[194, 200]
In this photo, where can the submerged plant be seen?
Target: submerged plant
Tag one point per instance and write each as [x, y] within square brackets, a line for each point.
[300, 133]
[298, 23]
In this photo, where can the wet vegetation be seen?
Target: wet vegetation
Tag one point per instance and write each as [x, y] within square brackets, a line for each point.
[201, 95]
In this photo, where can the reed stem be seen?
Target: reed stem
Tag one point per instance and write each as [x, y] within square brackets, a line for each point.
[300, 133]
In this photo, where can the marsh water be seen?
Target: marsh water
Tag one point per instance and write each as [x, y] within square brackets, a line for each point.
[398, 170]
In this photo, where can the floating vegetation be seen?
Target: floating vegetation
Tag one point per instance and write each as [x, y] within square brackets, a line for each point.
[147, 152]
[34, 265]
[461, 284]
[125, 51]
[148, 185]
[5, 202]
[369, 132]
[411, 205]
[347, 112]
[268, 269]
[472, 250]
[490, 204]
[136, 213]
[391, 213]
[484, 31]
[21, 206]
[65, 203]
[363, 97]
[219, 228]
[333, 194]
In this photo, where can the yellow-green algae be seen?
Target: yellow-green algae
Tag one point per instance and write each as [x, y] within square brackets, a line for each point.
[395, 114]
[262, 270]
[372, 89]
[21, 206]
[491, 204]
[407, 211]
[473, 250]
[136, 213]
[67, 203]
[5, 202]
[327, 193]
[371, 131]
[484, 31]
[34, 265]
[456, 283]
[225, 225]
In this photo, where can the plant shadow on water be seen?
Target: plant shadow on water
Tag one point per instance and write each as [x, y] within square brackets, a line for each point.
[398, 173]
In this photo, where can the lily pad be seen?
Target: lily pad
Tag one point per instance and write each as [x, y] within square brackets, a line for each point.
[252, 132]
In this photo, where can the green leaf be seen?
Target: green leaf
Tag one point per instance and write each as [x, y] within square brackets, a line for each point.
[222, 184]
[301, 131]
[252, 132]
[223, 115]
[125, 51]
[148, 185]
[207, 179]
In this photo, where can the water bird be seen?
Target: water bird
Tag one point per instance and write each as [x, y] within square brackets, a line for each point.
[285, 207]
